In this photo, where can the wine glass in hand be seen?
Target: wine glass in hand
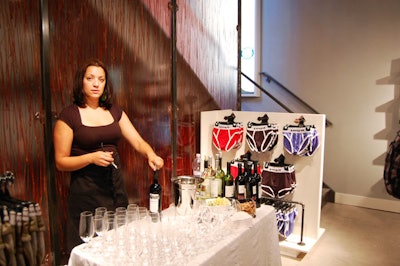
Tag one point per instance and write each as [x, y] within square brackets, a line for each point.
[86, 226]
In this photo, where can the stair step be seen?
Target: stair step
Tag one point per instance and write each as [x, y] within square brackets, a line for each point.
[328, 195]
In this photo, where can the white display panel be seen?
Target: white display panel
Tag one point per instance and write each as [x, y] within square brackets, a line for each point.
[309, 170]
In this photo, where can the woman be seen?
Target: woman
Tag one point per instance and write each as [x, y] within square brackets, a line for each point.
[85, 142]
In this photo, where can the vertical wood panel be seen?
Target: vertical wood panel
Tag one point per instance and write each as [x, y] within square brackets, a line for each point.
[207, 41]
[207, 64]
[21, 116]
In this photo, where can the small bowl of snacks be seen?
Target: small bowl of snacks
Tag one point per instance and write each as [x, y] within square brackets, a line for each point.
[249, 206]
[219, 204]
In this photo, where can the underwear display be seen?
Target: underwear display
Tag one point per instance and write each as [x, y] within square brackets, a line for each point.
[227, 135]
[286, 214]
[300, 139]
[278, 179]
[262, 138]
[285, 219]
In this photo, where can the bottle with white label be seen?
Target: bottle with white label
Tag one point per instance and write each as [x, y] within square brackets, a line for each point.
[196, 165]
[216, 183]
[207, 175]
[155, 195]
[229, 184]
[240, 184]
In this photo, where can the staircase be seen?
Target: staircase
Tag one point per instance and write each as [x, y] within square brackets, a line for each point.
[327, 195]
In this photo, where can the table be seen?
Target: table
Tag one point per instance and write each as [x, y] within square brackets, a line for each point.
[255, 245]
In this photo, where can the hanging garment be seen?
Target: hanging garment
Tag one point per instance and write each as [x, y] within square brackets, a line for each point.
[300, 140]
[41, 249]
[277, 180]
[8, 233]
[228, 134]
[3, 259]
[22, 228]
[33, 230]
[26, 238]
[19, 244]
[285, 220]
[261, 138]
[226, 137]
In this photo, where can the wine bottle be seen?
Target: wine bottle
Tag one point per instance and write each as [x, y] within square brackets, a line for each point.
[252, 183]
[207, 175]
[229, 182]
[196, 165]
[216, 183]
[240, 184]
[257, 178]
[248, 178]
[220, 174]
[155, 195]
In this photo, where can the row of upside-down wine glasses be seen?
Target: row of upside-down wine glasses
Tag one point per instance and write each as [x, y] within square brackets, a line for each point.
[103, 220]
[132, 235]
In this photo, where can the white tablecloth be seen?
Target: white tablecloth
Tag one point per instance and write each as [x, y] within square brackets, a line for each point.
[255, 245]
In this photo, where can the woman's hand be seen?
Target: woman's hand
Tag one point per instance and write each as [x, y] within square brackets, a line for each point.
[155, 162]
[102, 158]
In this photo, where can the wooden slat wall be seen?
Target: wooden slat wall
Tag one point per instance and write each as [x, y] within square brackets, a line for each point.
[22, 148]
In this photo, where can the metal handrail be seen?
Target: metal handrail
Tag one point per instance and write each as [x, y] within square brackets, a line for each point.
[269, 79]
[267, 93]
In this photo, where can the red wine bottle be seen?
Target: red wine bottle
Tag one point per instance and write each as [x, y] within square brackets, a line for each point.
[253, 182]
[155, 195]
[240, 184]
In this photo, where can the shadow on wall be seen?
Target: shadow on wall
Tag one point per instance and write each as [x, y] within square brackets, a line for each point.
[392, 109]
[379, 189]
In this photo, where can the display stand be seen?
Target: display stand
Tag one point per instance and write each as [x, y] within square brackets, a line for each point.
[309, 170]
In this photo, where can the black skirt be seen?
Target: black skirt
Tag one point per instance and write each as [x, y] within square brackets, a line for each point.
[91, 187]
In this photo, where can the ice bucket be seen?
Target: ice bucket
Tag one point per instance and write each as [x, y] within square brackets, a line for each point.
[184, 192]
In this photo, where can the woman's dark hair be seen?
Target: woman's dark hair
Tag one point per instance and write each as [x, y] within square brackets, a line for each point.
[79, 99]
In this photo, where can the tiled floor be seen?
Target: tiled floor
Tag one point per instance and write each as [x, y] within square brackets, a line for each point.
[354, 236]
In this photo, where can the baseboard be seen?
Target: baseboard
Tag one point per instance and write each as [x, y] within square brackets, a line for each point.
[372, 203]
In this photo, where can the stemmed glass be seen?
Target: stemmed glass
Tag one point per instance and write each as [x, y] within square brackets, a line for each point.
[132, 207]
[100, 225]
[120, 211]
[100, 211]
[143, 213]
[86, 226]
[109, 235]
[120, 228]
[109, 217]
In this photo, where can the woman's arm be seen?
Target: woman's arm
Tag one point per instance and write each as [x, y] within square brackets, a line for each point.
[138, 143]
[63, 136]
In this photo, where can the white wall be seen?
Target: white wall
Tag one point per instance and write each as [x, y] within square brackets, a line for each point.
[332, 54]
